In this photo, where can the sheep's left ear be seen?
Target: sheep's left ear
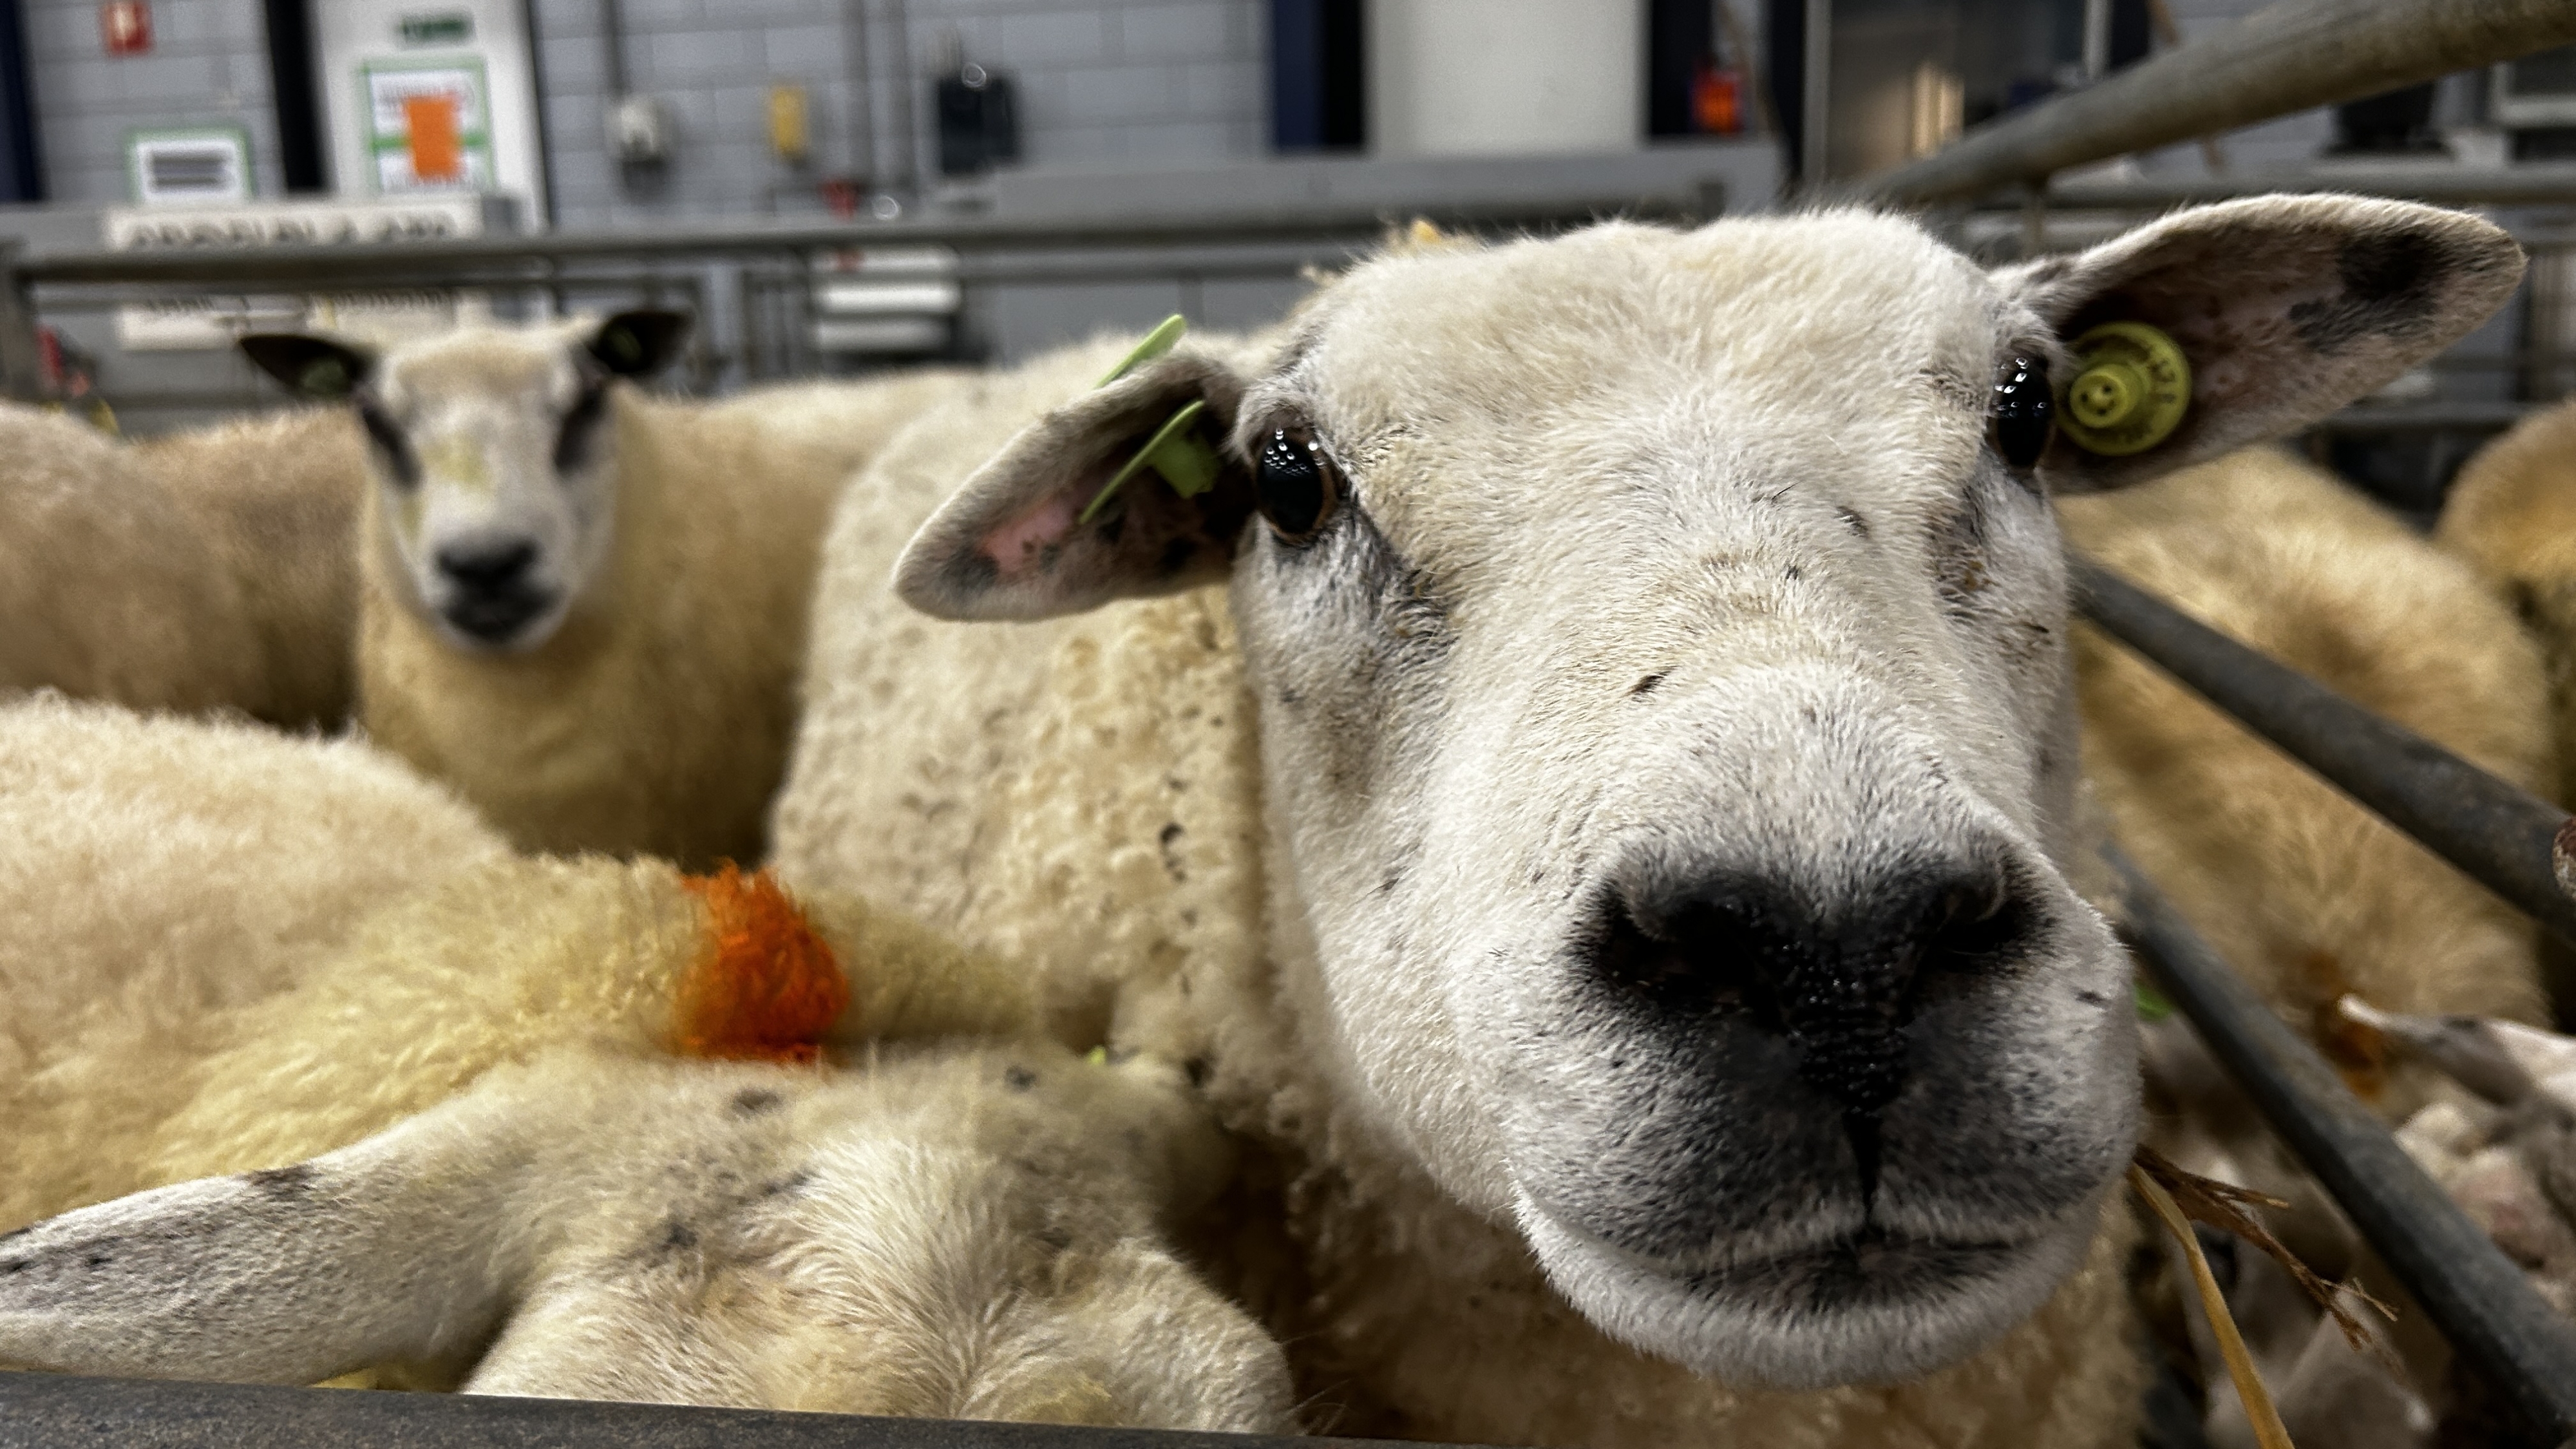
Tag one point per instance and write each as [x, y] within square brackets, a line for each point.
[2283, 308]
[639, 344]
[1038, 531]
[315, 367]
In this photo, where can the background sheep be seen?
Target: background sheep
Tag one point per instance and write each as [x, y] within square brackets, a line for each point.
[160, 872]
[232, 951]
[207, 570]
[2512, 515]
[582, 607]
[276, 497]
[957, 1232]
[1525, 513]
[2306, 893]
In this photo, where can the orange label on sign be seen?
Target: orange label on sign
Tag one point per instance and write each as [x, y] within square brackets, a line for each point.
[436, 153]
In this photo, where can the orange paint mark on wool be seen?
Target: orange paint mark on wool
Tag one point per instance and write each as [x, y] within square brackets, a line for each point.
[765, 986]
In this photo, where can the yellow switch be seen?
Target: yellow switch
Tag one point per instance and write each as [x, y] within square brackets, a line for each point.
[789, 136]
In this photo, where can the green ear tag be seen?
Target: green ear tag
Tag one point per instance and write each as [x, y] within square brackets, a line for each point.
[1184, 461]
[2152, 1005]
[324, 377]
[1165, 336]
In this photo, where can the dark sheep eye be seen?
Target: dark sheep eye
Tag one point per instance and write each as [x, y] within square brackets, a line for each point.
[2025, 417]
[1294, 485]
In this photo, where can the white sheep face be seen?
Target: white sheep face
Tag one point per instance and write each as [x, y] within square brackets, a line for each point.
[495, 460]
[1667, 736]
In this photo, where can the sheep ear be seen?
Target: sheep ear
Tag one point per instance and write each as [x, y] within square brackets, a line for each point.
[2283, 308]
[1038, 531]
[314, 367]
[640, 343]
[386, 1251]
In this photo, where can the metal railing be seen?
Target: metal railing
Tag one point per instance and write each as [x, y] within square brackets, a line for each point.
[766, 273]
[2286, 57]
[2496, 833]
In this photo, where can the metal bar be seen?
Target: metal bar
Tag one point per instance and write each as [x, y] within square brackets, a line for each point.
[323, 264]
[2534, 183]
[54, 1409]
[22, 365]
[2509, 840]
[2286, 57]
[2475, 1295]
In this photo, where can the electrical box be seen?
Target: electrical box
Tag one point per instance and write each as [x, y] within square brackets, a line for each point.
[979, 120]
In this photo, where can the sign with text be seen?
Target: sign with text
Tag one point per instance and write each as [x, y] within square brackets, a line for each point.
[211, 322]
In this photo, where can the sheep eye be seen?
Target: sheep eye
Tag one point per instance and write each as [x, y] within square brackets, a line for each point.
[2025, 417]
[1294, 485]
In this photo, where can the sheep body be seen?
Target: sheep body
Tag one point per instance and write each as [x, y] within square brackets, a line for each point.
[2306, 893]
[474, 1049]
[2512, 515]
[208, 570]
[656, 719]
[277, 497]
[161, 873]
[946, 1231]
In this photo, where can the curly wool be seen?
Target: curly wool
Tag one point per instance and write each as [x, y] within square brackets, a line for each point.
[161, 873]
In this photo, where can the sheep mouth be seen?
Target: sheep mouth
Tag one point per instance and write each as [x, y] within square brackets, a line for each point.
[1867, 1305]
[499, 620]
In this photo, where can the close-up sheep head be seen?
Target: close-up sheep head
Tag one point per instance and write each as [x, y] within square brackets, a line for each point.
[495, 460]
[1660, 644]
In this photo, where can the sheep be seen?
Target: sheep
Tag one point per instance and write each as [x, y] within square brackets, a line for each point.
[581, 607]
[2510, 514]
[2306, 893]
[209, 570]
[1630, 615]
[446, 1044]
[970, 1231]
[161, 871]
[276, 496]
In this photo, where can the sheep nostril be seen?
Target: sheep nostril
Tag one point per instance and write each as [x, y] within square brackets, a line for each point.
[1842, 985]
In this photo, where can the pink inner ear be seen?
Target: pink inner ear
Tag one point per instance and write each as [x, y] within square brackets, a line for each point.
[1020, 546]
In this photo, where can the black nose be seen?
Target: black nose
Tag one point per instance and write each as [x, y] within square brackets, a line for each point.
[1839, 984]
[488, 568]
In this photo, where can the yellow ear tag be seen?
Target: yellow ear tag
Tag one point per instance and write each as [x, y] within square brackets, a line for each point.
[1178, 454]
[2133, 391]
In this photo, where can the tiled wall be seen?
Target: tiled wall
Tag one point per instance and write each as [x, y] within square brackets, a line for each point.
[209, 63]
[1101, 83]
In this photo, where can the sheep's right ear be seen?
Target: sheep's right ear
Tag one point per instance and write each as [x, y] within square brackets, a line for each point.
[1038, 532]
[382, 1252]
[314, 367]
